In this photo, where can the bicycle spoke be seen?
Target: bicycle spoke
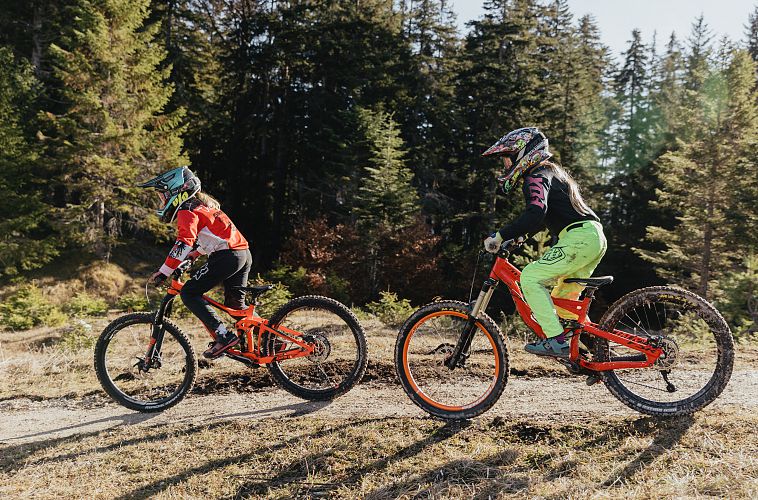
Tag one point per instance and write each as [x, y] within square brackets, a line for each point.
[335, 357]
[134, 381]
[326, 375]
[689, 344]
[643, 385]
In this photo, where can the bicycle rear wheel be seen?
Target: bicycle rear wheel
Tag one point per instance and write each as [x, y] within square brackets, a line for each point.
[339, 360]
[424, 342]
[698, 351]
[123, 372]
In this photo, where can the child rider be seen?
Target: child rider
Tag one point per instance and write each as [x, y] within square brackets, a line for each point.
[552, 199]
[203, 228]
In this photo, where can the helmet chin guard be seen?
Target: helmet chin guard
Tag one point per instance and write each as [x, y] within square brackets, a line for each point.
[174, 188]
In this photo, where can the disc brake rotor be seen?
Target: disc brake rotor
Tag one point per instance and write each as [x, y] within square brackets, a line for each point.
[321, 346]
[670, 356]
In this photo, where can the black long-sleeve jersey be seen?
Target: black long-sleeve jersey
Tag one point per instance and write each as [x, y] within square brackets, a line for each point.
[547, 205]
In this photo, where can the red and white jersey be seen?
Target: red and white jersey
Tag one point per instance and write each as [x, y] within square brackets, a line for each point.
[206, 229]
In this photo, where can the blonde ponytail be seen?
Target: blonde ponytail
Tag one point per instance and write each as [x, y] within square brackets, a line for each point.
[208, 200]
[573, 188]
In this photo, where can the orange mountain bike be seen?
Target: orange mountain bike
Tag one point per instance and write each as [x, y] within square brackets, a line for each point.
[660, 350]
[314, 347]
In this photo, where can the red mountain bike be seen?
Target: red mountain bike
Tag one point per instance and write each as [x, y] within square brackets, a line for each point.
[314, 347]
[660, 350]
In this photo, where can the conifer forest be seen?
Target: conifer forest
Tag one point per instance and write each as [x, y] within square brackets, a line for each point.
[344, 138]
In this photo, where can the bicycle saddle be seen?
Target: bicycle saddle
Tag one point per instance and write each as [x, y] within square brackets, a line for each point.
[255, 290]
[598, 281]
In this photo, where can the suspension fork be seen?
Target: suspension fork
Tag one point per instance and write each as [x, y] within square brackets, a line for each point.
[461, 351]
[156, 338]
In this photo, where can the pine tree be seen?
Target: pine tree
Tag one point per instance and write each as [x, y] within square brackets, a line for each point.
[499, 87]
[25, 242]
[751, 33]
[113, 130]
[429, 125]
[704, 182]
[632, 84]
[667, 117]
[29, 27]
[386, 197]
[558, 66]
[579, 64]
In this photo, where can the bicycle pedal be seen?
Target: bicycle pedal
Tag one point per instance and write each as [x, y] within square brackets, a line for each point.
[572, 367]
[593, 379]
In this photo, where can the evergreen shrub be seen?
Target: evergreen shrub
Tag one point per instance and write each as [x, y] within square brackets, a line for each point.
[389, 309]
[272, 300]
[84, 304]
[133, 302]
[27, 308]
[77, 337]
[295, 279]
[738, 291]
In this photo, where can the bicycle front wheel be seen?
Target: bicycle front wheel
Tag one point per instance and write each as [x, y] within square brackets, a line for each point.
[339, 359]
[137, 383]
[426, 340]
[698, 351]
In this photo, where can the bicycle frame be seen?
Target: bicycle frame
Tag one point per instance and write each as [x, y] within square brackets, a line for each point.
[505, 272]
[245, 321]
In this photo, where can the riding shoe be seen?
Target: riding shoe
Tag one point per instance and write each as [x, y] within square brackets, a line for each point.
[223, 342]
[555, 347]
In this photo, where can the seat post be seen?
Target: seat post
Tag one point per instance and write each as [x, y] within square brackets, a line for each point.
[588, 293]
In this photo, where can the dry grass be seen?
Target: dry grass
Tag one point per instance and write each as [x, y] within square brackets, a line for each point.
[34, 365]
[714, 455]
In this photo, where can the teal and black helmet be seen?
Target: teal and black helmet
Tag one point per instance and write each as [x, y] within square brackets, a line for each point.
[174, 188]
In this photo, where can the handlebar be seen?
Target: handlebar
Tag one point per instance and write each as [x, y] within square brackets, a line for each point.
[506, 247]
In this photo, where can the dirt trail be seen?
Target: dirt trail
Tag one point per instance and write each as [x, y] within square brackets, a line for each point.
[544, 398]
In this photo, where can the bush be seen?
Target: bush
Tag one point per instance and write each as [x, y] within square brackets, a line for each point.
[339, 288]
[77, 337]
[133, 302]
[737, 291]
[390, 310]
[27, 308]
[303, 282]
[296, 280]
[84, 304]
[272, 300]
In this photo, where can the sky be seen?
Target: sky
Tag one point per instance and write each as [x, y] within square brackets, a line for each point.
[617, 18]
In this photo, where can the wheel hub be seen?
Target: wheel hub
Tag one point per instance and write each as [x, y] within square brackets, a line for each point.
[321, 346]
[670, 355]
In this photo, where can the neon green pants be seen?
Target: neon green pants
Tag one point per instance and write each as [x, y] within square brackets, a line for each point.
[576, 255]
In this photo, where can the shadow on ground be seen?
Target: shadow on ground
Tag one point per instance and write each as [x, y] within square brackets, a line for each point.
[504, 467]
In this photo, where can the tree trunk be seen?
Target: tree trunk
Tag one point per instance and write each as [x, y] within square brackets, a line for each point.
[281, 169]
[705, 263]
[37, 40]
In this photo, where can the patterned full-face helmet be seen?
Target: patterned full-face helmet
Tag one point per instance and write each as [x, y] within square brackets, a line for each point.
[174, 188]
[525, 148]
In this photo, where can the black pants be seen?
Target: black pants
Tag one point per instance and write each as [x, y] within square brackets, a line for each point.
[228, 266]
